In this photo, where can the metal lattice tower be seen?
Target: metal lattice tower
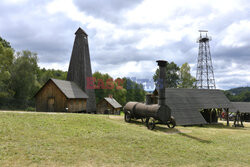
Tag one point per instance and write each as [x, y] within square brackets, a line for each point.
[205, 73]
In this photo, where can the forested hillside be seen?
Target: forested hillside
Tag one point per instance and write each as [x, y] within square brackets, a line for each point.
[240, 94]
[237, 91]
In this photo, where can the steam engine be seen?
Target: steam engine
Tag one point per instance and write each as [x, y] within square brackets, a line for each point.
[153, 113]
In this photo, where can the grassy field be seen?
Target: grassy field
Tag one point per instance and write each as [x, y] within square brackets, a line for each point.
[38, 139]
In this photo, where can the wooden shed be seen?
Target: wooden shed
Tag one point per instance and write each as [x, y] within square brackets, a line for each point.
[244, 108]
[61, 96]
[108, 105]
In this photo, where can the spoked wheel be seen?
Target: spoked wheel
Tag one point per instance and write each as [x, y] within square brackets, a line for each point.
[150, 122]
[142, 120]
[127, 117]
[171, 123]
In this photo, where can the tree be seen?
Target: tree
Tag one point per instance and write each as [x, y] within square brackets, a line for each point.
[101, 79]
[123, 90]
[246, 96]
[23, 75]
[6, 61]
[119, 94]
[172, 77]
[139, 93]
[44, 75]
[186, 79]
[129, 85]
[5, 43]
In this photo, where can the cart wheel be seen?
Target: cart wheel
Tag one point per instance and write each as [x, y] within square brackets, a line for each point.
[150, 122]
[171, 124]
[142, 120]
[127, 117]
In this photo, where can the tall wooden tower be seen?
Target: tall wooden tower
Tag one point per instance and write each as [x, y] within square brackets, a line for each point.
[204, 73]
[80, 67]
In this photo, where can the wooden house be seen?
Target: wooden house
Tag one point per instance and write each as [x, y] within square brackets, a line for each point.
[108, 105]
[61, 96]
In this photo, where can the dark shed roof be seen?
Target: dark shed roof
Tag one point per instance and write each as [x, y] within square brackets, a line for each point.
[70, 89]
[243, 107]
[112, 102]
[186, 103]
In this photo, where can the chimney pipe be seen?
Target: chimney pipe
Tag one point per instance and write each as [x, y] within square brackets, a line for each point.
[162, 79]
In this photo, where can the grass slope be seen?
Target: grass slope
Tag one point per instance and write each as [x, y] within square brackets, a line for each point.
[93, 140]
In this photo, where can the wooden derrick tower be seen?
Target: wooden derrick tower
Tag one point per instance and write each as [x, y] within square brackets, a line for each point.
[80, 67]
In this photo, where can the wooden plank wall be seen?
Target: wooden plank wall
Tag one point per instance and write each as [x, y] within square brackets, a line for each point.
[104, 105]
[75, 105]
[50, 90]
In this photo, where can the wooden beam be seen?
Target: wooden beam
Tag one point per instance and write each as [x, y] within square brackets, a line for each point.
[227, 111]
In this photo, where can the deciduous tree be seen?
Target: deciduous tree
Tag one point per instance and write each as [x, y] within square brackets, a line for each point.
[186, 79]
[6, 61]
[23, 75]
[172, 77]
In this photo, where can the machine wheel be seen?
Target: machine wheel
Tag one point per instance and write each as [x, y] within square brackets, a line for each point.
[171, 124]
[142, 120]
[150, 122]
[127, 117]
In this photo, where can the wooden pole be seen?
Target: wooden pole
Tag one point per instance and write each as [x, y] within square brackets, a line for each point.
[210, 112]
[227, 111]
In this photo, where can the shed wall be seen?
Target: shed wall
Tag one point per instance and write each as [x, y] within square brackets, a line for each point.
[103, 105]
[76, 105]
[49, 91]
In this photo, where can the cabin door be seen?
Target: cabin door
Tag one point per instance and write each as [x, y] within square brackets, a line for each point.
[51, 102]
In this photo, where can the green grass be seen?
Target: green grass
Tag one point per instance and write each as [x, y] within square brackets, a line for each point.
[38, 139]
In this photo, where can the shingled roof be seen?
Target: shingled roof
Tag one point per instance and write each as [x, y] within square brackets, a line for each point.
[70, 89]
[186, 104]
[243, 107]
[112, 102]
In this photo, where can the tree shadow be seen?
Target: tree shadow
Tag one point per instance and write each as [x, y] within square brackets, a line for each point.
[161, 128]
[195, 138]
[176, 131]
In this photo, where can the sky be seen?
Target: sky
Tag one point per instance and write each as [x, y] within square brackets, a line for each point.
[126, 37]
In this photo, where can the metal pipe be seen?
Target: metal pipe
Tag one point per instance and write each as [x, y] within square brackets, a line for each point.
[162, 81]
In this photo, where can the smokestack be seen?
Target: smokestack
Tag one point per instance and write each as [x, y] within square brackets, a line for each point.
[162, 79]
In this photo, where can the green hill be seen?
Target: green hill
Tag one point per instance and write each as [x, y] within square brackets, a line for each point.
[237, 91]
[47, 139]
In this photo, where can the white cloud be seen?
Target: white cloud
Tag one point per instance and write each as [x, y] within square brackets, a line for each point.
[128, 39]
[235, 35]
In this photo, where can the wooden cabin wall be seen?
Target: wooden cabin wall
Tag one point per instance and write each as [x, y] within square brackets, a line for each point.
[50, 90]
[104, 105]
[76, 105]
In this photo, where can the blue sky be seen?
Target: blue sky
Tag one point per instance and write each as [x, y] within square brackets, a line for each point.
[126, 37]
